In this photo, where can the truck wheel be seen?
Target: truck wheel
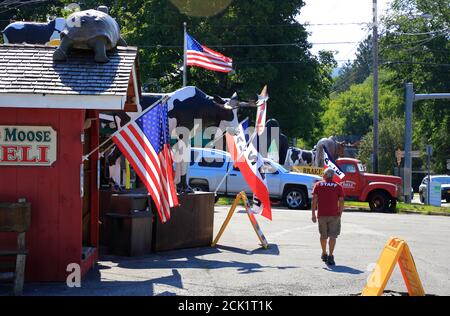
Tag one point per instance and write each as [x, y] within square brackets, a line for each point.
[379, 201]
[295, 198]
[392, 205]
[198, 187]
[421, 198]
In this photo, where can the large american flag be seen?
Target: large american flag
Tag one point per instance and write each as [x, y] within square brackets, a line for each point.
[145, 143]
[202, 56]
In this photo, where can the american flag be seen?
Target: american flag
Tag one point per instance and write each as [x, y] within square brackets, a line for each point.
[145, 143]
[202, 56]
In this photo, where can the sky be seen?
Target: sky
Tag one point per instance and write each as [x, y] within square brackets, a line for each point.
[335, 12]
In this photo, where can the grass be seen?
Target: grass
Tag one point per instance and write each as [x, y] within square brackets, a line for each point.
[401, 207]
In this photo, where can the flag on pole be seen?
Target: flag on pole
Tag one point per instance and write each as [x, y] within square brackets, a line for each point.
[262, 111]
[202, 56]
[145, 143]
[250, 163]
[329, 162]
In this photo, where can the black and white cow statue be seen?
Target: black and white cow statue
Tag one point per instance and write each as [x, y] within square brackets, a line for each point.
[34, 32]
[299, 157]
[190, 110]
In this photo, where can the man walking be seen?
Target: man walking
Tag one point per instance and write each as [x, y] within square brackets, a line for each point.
[328, 200]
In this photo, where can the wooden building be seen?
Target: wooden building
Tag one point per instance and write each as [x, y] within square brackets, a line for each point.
[49, 119]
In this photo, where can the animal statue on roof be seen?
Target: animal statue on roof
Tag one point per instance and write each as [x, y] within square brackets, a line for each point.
[186, 106]
[33, 32]
[335, 148]
[90, 29]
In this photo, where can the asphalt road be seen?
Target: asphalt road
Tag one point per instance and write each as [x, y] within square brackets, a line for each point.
[291, 266]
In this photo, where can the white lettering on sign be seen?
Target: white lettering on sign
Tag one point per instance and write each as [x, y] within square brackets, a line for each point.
[27, 145]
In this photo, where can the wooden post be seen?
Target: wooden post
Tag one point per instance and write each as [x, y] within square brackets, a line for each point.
[20, 265]
[227, 220]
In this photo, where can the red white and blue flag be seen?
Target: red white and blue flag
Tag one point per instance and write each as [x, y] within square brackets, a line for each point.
[202, 56]
[145, 143]
[250, 163]
[329, 162]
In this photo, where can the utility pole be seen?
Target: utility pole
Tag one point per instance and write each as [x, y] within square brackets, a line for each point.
[184, 55]
[375, 86]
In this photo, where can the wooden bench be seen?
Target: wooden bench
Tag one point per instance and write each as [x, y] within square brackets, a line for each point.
[15, 217]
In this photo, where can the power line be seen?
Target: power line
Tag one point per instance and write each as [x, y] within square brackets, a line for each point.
[250, 45]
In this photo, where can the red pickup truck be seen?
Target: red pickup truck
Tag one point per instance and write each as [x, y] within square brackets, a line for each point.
[380, 191]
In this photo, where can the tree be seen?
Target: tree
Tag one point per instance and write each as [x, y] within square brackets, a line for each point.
[391, 133]
[350, 112]
[357, 71]
[297, 80]
[417, 50]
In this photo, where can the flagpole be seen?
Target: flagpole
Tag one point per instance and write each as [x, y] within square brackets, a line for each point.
[162, 100]
[184, 56]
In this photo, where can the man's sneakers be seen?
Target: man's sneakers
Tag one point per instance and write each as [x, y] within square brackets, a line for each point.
[324, 257]
[330, 261]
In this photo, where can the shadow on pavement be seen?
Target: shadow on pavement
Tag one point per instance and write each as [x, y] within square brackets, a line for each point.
[192, 259]
[343, 269]
[272, 250]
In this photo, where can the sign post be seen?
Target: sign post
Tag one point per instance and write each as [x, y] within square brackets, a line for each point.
[429, 150]
[242, 197]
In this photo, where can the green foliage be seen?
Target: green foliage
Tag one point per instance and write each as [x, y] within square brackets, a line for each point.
[351, 112]
[391, 138]
[357, 71]
[417, 50]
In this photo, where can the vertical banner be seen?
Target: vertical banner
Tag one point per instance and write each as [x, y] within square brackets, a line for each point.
[250, 164]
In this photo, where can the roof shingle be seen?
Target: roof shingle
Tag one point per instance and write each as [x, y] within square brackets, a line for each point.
[31, 69]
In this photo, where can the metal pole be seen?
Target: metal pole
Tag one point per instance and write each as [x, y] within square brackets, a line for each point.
[429, 178]
[375, 87]
[407, 174]
[184, 56]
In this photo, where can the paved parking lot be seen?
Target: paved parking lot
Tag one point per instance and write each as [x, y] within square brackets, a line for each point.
[291, 266]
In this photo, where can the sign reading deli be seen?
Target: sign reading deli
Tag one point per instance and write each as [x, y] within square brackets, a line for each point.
[27, 145]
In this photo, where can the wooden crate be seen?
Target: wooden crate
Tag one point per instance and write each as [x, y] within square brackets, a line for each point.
[190, 225]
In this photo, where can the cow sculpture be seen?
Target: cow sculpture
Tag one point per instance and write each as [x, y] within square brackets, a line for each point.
[33, 32]
[190, 111]
[299, 157]
[335, 148]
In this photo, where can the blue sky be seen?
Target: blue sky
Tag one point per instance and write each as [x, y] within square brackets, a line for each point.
[339, 11]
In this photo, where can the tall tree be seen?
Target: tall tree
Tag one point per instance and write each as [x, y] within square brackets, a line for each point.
[416, 47]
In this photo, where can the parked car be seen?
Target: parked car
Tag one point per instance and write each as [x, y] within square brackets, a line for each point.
[444, 180]
[209, 166]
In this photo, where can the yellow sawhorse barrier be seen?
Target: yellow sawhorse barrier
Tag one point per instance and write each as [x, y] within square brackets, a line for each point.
[395, 250]
[242, 197]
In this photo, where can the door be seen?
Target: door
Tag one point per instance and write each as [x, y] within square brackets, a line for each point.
[273, 179]
[351, 183]
[87, 174]
[236, 182]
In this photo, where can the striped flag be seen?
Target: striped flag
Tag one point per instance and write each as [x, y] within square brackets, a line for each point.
[329, 162]
[250, 163]
[145, 143]
[202, 56]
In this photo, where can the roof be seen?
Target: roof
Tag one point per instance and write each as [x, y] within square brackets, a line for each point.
[29, 70]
